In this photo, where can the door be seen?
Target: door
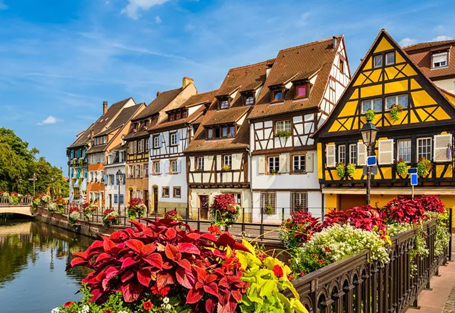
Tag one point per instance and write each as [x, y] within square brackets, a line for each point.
[349, 201]
[204, 207]
[146, 201]
[155, 198]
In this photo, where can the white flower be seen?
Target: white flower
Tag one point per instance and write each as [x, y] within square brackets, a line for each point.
[55, 310]
[168, 306]
[122, 312]
[166, 300]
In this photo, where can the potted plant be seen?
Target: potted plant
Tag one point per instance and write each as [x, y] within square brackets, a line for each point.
[110, 217]
[283, 134]
[269, 210]
[273, 171]
[341, 170]
[136, 208]
[73, 215]
[395, 111]
[402, 168]
[226, 168]
[224, 210]
[60, 205]
[423, 167]
[89, 210]
[350, 169]
[173, 215]
[81, 161]
[370, 115]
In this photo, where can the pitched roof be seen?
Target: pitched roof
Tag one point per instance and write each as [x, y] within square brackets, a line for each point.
[420, 54]
[229, 116]
[244, 78]
[123, 117]
[159, 103]
[100, 123]
[198, 99]
[297, 64]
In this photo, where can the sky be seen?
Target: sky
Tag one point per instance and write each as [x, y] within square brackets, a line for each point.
[60, 59]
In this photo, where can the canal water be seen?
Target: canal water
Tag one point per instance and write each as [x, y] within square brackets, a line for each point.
[33, 261]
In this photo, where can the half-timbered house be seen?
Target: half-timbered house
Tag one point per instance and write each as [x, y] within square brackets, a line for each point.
[415, 122]
[138, 140]
[301, 89]
[168, 141]
[218, 157]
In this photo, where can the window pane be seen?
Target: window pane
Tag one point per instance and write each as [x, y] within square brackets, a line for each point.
[377, 105]
[301, 91]
[249, 100]
[278, 95]
[232, 131]
[225, 131]
[403, 100]
[404, 150]
[378, 61]
[390, 58]
[210, 130]
[390, 101]
[366, 105]
[224, 104]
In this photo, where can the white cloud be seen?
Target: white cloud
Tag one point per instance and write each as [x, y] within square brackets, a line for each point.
[441, 38]
[49, 120]
[158, 19]
[134, 6]
[407, 41]
[3, 6]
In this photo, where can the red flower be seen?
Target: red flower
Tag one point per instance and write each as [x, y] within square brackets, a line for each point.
[108, 311]
[160, 292]
[278, 271]
[148, 305]
[214, 229]
[68, 304]
[321, 261]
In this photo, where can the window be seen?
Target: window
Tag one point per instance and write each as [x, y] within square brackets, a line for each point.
[342, 154]
[115, 198]
[330, 155]
[138, 171]
[227, 162]
[200, 163]
[353, 153]
[398, 100]
[341, 66]
[111, 179]
[301, 91]
[121, 199]
[385, 150]
[377, 60]
[156, 167]
[268, 199]
[165, 193]
[140, 146]
[224, 104]
[361, 154]
[299, 201]
[390, 58]
[404, 150]
[177, 192]
[156, 141]
[146, 141]
[171, 116]
[173, 139]
[299, 163]
[232, 131]
[225, 131]
[277, 95]
[274, 165]
[443, 148]
[210, 133]
[374, 104]
[439, 60]
[146, 170]
[424, 148]
[131, 171]
[283, 126]
[249, 99]
[173, 167]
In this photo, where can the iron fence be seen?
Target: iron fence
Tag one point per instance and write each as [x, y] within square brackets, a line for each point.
[7, 201]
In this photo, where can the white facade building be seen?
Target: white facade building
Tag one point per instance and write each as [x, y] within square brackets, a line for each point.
[115, 188]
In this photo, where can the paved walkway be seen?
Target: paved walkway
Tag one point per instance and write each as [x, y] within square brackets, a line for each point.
[441, 297]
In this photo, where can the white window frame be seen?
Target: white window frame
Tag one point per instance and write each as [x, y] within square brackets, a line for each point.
[399, 155]
[362, 150]
[173, 139]
[362, 111]
[224, 104]
[199, 163]
[436, 148]
[156, 141]
[330, 153]
[386, 60]
[353, 153]
[157, 167]
[285, 125]
[382, 61]
[382, 151]
[172, 169]
[419, 140]
[249, 100]
[273, 163]
[396, 101]
[342, 154]
[446, 53]
[299, 168]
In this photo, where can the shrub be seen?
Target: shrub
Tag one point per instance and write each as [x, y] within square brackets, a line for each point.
[195, 269]
[350, 169]
[432, 204]
[269, 210]
[298, 229]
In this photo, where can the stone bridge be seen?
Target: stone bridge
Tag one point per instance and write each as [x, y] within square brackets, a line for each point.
[16, 209]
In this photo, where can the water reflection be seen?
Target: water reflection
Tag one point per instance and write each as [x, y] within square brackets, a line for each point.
[33, 259]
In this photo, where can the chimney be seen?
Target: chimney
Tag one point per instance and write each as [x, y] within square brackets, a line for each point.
[104, 107]
[157, 94]
[92, 133]
[186, 81]
[335, 42]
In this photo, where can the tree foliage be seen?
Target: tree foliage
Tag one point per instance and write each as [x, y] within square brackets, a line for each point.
[18, 163]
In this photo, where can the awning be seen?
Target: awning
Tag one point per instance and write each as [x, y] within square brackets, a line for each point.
[443, 190]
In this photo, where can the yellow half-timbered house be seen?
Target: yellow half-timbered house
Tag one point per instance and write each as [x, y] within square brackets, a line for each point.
[415, 121]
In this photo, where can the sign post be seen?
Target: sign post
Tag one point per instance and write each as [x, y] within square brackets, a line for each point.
[414, 179]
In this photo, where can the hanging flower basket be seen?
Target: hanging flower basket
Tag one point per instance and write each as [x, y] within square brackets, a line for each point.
[341, 170]
[224, 211]
[395, 111]
[73, 215]
[370, 115]
[350, 169]
[110, 217]
[423, 167]
[136, 208]
[283, 134]
[89, 210]
[402, 168]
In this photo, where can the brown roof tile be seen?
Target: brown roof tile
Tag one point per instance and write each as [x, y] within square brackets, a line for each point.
[123, 117]
[159, 103]
[293, 64]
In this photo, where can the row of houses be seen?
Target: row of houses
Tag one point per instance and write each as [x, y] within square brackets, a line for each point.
[274, 133]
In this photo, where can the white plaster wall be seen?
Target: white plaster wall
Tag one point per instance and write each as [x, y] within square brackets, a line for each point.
[165, 179]
[113, 189]
[446, 84]
[245, 196]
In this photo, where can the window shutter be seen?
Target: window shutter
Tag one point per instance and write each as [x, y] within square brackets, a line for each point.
[121, 199]
[105, 180]
[385, 148]
[442, 148]
[284, 164]
[261, 164]
[309, 163]
[177, 136]
[361, 154]
[192, 160]
[115, 198]
[179, 166]
[207, 166]
[165, 165]
[160, 141]
[330, 155]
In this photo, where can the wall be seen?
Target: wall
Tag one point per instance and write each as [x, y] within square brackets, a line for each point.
[113, 189]
[446, 84]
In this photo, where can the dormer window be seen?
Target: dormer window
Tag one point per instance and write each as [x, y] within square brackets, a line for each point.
[277, 95]
[224, 103]
[171, 117]
[178, 115]
[301, 91]
[220, 132]
[249, 98]
[439, 60]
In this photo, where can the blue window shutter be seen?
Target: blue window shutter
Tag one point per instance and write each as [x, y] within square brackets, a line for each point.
[179, 166]
[178, 136]
[115, 198]
[160, 141]
[105, 180]
[121, 199]
[72, 154]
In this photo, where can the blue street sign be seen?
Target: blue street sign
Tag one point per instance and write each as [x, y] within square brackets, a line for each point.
[371, 160]
[412, 170]
[414, 179]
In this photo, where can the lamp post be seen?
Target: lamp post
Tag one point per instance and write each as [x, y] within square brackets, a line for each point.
[369, 132]
[119, 175]
[52, 186]
[33, 179]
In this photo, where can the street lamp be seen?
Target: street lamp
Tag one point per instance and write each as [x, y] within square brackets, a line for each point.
[33, 179]
[369, 132]
[119, 175]
[52, 186]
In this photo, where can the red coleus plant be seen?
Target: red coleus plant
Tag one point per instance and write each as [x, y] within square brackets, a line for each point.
[301, 226]
[134, 201]
[432, 204]
[224, 202]
[163, 257]
[403, 210]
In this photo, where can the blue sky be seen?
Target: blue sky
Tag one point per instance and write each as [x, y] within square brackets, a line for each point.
[60, 59]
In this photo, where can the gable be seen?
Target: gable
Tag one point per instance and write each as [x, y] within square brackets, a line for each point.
[385, 85]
